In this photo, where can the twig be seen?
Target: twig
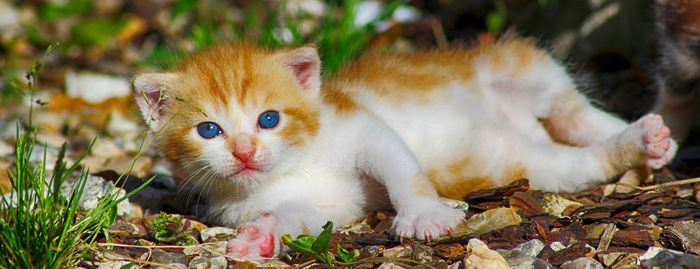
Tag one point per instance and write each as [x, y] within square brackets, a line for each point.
[154, 264]
[438, 33]
[176, 247]
[662, 185]
[146, 247]
[383, 260]
[305, 264]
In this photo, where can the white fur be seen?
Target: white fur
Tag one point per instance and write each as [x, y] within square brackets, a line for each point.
[327, 181]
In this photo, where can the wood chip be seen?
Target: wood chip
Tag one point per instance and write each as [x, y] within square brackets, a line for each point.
[497, 194]
[526, 203]
[450, 251]
[607, 237]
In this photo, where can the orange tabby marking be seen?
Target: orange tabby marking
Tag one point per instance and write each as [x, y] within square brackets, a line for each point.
[457, 188]
[341, 101]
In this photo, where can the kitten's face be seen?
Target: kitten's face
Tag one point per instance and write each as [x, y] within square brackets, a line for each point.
[233, 114]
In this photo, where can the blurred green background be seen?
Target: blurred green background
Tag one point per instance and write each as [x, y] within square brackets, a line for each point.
[609, 44]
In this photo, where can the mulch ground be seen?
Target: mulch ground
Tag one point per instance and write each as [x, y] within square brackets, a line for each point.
[613, 228]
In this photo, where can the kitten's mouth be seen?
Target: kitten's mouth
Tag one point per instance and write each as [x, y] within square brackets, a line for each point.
[246, 169]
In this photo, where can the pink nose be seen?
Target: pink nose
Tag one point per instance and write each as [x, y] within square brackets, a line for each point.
[244, 156]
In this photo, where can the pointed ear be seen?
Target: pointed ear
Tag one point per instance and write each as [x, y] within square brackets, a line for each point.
[306, 66]
[150, 92]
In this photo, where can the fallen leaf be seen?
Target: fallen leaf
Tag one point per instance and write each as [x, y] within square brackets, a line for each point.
[484, 222]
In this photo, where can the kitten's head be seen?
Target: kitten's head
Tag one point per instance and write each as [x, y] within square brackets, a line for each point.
[233, 114]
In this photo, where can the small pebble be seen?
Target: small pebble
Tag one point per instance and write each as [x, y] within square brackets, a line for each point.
[582, 263]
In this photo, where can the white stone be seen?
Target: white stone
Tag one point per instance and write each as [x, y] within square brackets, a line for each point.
[406, 14]
[582, 263]
[10, 22]
[530, 248]
[6, 149]
[557, 246]
[120, 126]
[96, 88]
[366, 12]
[95, 189]
[106, 148]
[312, 7]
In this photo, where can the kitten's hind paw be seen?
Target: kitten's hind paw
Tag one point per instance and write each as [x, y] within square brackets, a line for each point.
[254, 239]
[427, 220]
[659, 148]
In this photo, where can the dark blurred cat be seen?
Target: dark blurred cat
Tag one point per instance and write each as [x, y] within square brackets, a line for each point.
[678, 76]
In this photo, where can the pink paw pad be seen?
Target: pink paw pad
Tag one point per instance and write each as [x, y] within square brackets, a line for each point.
[254, 239]
[659, 148]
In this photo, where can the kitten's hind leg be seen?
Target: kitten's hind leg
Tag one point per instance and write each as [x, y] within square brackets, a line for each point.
[572, 120]
[644, 143]
[533, 83]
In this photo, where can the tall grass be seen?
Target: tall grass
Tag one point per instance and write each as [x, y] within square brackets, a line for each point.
[336, 34]
[340, 39]
[39, 226]
[268, 24]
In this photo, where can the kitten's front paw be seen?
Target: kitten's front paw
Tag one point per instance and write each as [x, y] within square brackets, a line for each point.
[254, 239]
[659, 148]
[427, 220]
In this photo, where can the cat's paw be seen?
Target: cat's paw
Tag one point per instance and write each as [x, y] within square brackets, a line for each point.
[659, 147]
[254, 239]
[427, 220]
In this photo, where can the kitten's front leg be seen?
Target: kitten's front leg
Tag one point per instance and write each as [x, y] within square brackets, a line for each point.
[261, 237]
[426, 219]
[389, 160]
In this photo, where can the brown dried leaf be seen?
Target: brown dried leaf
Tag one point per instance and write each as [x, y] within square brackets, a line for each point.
[497, 194]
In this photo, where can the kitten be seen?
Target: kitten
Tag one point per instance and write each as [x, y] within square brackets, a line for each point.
[277, 153]
[678, 75]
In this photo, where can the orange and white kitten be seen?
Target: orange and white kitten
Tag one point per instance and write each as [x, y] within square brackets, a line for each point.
[276, 152]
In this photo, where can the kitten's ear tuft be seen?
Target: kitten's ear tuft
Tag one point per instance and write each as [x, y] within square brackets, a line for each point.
[150, 92]
[306, 66]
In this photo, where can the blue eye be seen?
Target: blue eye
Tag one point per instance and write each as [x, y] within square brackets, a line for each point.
[208, 130]
[268, 119]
